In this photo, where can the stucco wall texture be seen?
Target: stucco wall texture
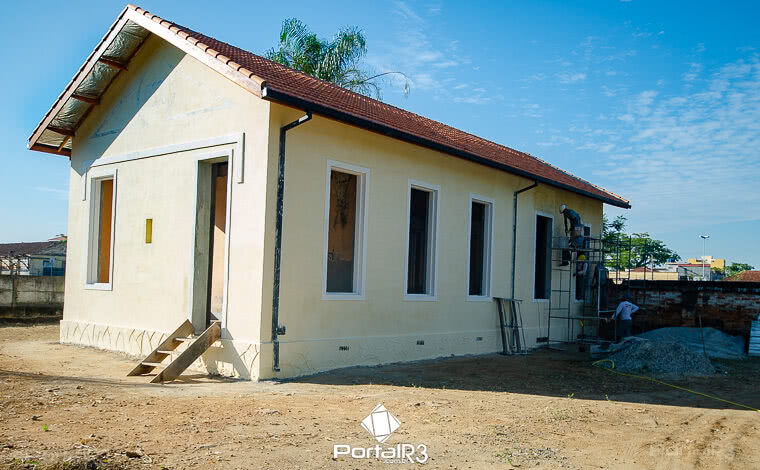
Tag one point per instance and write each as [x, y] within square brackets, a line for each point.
[169, 98]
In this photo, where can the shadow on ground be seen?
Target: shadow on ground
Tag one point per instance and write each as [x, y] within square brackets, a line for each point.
[558, 374]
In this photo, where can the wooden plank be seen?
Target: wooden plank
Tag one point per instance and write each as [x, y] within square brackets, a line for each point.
[169, 344]
[50, 149]
[65, 139]
[112, 63]
[61, 130]
[189, 355]
[86, 99]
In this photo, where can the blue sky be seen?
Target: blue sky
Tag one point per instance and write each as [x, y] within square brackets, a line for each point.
[656, 101]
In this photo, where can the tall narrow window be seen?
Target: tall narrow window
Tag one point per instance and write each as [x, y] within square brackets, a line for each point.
[420, 276]
[479, 278]
[543, 268]
[345, 227]
[101, 231]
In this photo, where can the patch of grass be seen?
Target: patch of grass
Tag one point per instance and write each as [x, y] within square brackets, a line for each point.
[45, 428]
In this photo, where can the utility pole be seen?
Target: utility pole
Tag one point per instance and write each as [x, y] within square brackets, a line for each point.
[704, 243]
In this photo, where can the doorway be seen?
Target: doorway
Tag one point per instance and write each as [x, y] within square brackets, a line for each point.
[211, 239]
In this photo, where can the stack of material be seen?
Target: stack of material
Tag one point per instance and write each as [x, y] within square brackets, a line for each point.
[717, 344]
[754, 338]
[660, 358]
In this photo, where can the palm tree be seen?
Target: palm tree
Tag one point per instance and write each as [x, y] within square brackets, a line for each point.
[336, 61]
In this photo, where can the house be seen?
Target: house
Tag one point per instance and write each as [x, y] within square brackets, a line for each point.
[744, 276]
[694, 272]
[378, 235]
[34, 258]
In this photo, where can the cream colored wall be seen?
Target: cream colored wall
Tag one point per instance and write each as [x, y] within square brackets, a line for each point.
[384, 327]
[167, 98]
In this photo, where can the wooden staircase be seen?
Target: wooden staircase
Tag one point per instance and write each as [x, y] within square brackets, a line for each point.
[198, 345]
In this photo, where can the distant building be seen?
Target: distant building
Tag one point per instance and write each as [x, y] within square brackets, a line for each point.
[644, 273]
[34, 258]
[695, 272]
[715, 263]
[745, 276]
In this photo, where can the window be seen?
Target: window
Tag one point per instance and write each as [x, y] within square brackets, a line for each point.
[542, 276]
[422, 240]
[100, 255]
[481, 223]
[345, 229]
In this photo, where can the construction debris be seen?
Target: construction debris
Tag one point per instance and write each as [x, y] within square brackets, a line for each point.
[717, 344]
[659, 358]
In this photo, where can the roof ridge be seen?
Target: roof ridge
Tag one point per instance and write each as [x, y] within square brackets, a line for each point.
[190, 32]
[291, 87]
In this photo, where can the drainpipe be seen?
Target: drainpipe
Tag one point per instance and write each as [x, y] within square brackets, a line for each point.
[278, 330]
[514, 233]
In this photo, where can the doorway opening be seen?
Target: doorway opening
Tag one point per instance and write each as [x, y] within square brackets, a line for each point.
[211, 239]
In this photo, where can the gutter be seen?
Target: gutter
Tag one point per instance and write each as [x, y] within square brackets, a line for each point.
[277, 329]
[270, 94]
[514, 232]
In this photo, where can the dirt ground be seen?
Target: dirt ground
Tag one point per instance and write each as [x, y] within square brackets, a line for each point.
[70, 407]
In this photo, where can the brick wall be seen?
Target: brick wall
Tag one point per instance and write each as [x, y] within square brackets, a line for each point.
[724, 305]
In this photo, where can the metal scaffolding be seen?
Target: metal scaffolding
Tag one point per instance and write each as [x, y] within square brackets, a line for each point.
[578, 289]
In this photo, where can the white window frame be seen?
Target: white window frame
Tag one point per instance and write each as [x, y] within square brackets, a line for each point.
[93, 220]
[488, 255]
[360, 234]
[432, 242]
[574, 286]
[551, 240]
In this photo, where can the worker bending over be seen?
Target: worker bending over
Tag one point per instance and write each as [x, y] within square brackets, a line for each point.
[624, 310]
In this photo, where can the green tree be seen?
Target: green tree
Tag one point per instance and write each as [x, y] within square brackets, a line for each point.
[337, 61]
[736, 268]
[630, 251]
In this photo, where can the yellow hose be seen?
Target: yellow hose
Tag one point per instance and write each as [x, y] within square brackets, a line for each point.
[596, 364]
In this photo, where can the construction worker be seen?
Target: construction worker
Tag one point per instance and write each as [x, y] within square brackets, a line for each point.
[573, 228]
[624, 310]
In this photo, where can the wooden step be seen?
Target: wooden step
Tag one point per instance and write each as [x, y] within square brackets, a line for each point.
[160, 353]
[185, 339]
[152, 364]
[193, 351]
[167, 352]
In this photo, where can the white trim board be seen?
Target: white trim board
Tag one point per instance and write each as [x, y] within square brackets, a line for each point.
[432, 240]
[237, 139]
[360, 237]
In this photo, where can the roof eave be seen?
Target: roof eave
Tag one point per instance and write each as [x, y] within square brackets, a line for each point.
[161, 28]
[271, 94]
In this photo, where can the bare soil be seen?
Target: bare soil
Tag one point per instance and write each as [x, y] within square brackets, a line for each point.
[70, 407]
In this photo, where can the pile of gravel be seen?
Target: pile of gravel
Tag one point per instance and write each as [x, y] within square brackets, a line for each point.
[717, 343]
[660, 358]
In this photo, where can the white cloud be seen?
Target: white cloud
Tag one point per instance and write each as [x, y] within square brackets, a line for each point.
[691, 158]
[571, 77]
[411, 46]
